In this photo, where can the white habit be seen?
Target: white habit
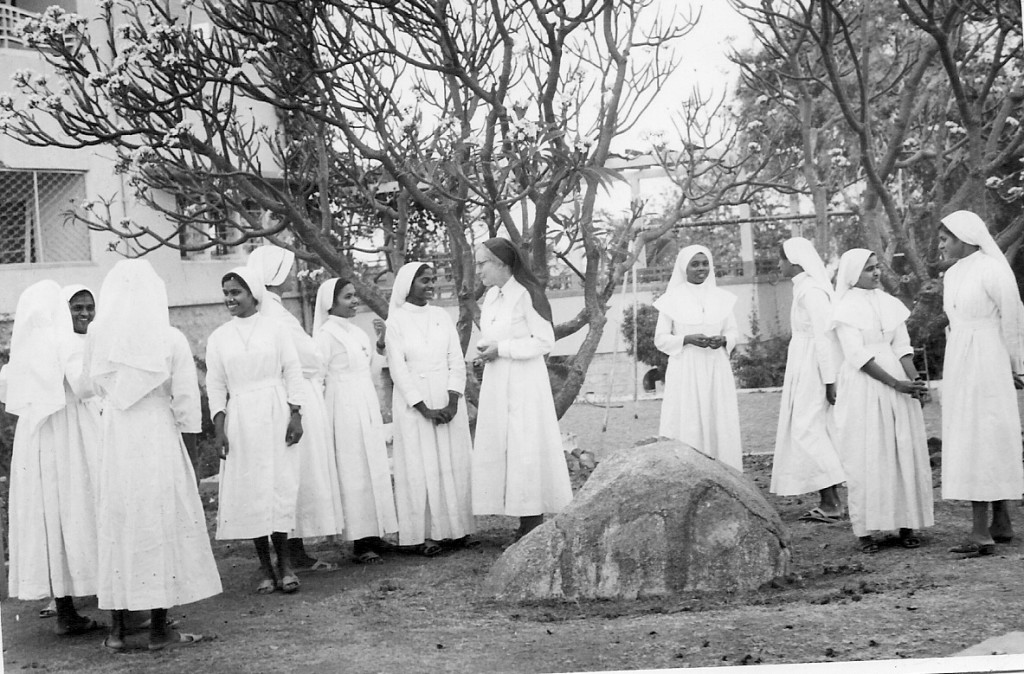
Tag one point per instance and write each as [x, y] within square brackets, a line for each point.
[253, 373]
[319, 511]
[354, 424]
[52, 515]
[518, 462]
[981, 440]
[699, 407]
[806, 458]
[882, 438]
[154, 549]
[432, 461]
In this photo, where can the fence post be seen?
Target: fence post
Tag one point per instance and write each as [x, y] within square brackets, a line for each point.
[747, 241]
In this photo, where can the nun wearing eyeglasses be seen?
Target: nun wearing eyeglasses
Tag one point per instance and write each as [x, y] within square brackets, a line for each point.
[319, 511]
[697, 330]
[519, 465]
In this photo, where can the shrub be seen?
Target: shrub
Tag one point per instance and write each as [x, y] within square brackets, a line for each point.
[761, 362]
[644, 349]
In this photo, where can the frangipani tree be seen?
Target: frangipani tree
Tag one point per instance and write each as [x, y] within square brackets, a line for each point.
[312, 123]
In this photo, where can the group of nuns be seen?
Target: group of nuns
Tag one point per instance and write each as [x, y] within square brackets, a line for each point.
[104, 497]
[851, 398]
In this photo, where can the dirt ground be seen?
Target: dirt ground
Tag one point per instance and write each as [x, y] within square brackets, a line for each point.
[414, 614]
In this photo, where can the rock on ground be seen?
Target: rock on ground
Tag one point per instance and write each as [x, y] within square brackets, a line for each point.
[652, 520]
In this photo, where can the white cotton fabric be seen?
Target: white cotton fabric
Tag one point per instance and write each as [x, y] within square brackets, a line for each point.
[52, 536]
[699, 407]
[273, 263]
[433, 465]
[319, 510]
[518, 461]
[154, 549]
[806, 458]
[129, 348]
[355, 427]
[981, 432]
[253, 374]
[882, 437]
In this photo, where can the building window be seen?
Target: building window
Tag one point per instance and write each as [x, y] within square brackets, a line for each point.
[32, 223]
[212, 219]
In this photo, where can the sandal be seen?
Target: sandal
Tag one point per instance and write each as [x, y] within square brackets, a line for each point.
[464, 543]
[819, 515]
[972, 549]
[908, 540]
[431, 549]
[289, 584]
[181, 639]
[369, 557]
[81, 626]
[869, 547]
[266, 586]
[113, 646]
[319, 565]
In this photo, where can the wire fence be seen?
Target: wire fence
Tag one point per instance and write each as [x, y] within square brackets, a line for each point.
[32, 223]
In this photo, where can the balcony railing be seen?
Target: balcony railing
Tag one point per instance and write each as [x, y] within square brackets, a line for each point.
[11, 19]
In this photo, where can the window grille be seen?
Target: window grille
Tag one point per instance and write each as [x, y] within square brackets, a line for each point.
[32, 223]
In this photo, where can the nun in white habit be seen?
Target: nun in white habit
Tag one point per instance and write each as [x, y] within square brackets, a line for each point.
[52, 538]
[981, 441]
[255, 385]
[806, 459]
[519, 464]
[697, 329]
[432, 445]
[154, 550]
[355, 427]
[319, 511]
[882, 439]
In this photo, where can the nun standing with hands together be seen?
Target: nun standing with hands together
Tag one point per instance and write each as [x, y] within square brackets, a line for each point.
[432, 445]
[697, 329]
[519, 466]
[882, 437]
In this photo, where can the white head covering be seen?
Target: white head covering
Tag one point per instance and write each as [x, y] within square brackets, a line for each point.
[851, 264]
[693, 303]
[128, 343]
[272, 262]
[35, 374]
[324, 302]
[403, 283]
[860, 307]
[254, 280]
[971, 229]
[69, 291]
[801, 251]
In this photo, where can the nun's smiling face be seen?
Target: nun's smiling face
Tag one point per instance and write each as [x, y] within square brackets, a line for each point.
[697, 268]
[238, 299]
[346, 302]
[951, 248]
[422, 289]
[83, 310]
[871, 275]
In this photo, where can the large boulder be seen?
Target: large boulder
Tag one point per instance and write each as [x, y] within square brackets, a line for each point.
[653, 520]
